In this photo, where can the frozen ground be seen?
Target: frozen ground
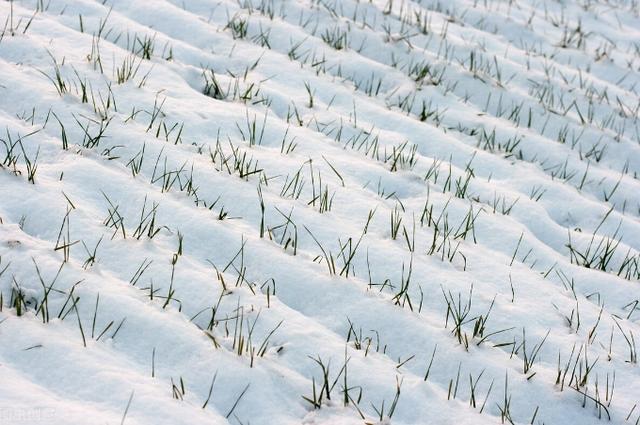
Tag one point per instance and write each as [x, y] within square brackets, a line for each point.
[319, 212]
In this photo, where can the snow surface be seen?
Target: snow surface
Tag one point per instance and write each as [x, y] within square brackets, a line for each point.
[204, 203]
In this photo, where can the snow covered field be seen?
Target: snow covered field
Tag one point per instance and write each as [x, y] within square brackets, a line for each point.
[319, 212]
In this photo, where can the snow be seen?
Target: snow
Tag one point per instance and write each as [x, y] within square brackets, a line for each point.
[205, 203]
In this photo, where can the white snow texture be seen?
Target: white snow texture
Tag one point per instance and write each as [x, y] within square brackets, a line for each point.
[319, 212]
